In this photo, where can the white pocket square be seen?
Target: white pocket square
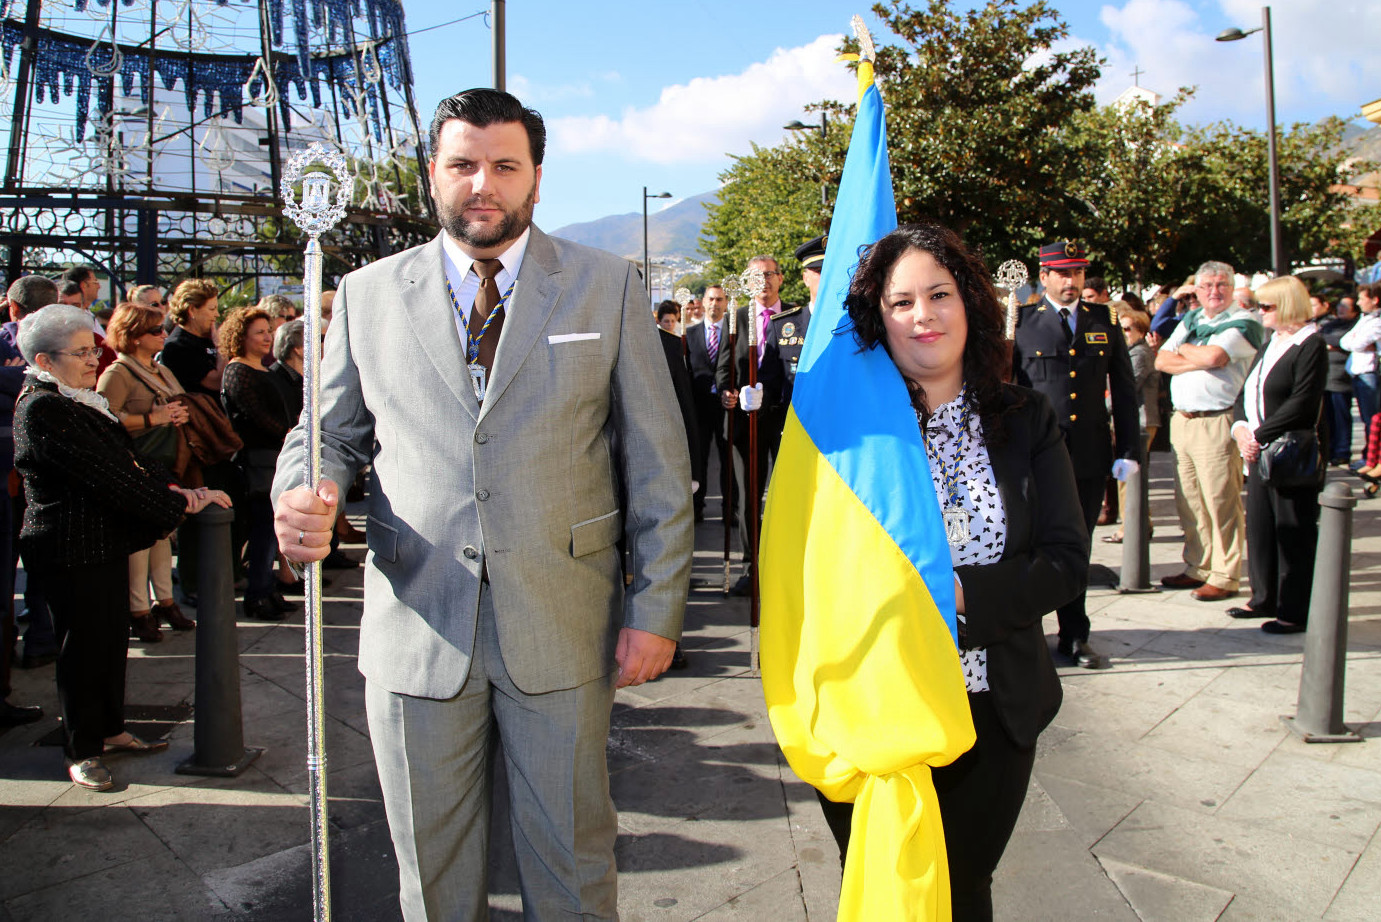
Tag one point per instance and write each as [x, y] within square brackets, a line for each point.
[570, 337]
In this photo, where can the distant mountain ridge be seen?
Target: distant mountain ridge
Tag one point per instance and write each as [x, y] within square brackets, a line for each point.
[674, 231]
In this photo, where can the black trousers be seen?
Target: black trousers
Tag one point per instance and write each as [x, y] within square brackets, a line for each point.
[769, 438]
[1282, 532]
[1074, 623]
[981, 794]
[90, 608]
[709, 421]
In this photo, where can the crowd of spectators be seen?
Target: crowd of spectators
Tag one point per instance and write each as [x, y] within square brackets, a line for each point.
[127, 419]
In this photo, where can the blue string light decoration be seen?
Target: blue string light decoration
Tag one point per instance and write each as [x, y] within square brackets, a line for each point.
[61, 63]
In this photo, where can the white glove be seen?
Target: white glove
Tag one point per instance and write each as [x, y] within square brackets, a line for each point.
[750, 398]
[695, 486]
[1121, 468]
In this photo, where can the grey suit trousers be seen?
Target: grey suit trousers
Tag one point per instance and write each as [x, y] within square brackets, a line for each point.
[433, 763]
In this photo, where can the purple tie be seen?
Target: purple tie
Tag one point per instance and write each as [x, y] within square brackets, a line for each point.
[712, 340]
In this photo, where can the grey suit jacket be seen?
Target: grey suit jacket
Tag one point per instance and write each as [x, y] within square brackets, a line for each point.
[579, 443]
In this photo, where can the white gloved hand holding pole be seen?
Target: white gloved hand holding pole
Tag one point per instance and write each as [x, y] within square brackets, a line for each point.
[1122, 468]
[750, 397]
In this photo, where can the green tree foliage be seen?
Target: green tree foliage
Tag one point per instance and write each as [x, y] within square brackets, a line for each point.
[769, 203]
[976, 103]
[1137, 190]
[1233, 192]
[996, 135]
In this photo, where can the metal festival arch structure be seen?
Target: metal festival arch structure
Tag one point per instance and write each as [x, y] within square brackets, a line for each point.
[148, 137]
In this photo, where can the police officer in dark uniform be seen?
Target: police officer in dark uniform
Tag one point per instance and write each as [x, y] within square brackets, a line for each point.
[1072, 351]
[786, 333]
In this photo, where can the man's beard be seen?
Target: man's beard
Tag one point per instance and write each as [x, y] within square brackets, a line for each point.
[484, 236]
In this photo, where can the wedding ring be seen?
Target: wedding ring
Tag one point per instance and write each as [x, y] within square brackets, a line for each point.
[301, 537]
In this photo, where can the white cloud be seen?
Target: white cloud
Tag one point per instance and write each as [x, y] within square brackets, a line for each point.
[1323, 51]
[701, 120]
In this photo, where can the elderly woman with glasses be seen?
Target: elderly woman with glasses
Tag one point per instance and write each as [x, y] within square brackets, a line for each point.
[142, 395]
[1282, 397]
[91, 503]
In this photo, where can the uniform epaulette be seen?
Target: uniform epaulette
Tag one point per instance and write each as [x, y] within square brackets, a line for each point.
[788, 309]
[1112, 314]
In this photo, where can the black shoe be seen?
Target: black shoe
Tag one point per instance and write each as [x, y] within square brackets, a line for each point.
[14, 715]
[280, 604]
[1283, 627]
[189, 599]
[338, 560]
[744, 587]
[296, 587]
[37, 660]
[678, 659]
[262, 610]
[1245, 612]
[1081, 654]
[1181, 581]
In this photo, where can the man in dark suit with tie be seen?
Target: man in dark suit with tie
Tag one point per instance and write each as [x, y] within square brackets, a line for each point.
[703, 343]
[1072, 352]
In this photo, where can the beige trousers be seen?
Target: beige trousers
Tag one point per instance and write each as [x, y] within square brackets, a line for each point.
[153, 564]
[1208, 494]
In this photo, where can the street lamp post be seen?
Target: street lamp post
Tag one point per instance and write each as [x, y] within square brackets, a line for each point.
[1278, 260]
[824, 128]
[647, 267]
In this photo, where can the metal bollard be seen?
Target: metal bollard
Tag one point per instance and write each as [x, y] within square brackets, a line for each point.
[1136, 531]
[1319, 712]
[219, 744]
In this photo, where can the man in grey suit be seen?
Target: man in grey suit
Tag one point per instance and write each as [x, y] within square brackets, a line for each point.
[511, 394]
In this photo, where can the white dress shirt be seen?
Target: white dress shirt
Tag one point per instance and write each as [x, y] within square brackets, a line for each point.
[466, 284]
[1365, 332]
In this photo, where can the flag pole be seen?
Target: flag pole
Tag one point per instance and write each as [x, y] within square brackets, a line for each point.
[315, 215]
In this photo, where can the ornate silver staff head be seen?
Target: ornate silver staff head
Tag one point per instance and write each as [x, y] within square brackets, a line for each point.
[317, 213]
[1011, 275]
[684, 297]
[754, 282]
[733, 287]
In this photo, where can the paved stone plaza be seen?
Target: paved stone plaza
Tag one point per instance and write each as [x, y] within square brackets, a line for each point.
[1167, 788]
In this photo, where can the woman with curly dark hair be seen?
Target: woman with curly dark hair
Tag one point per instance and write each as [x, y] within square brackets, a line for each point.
[1006, 490]
[260, 418]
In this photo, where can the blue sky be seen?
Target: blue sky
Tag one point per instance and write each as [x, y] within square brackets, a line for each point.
[660, 94]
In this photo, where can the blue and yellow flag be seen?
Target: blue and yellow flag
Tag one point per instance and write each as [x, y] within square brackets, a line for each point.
[859, 664]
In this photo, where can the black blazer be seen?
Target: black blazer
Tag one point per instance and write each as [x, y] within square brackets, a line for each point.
[1044, 564]
[702, 370]
[1292, 394]
[769, 375]
[681, 384]
[1073, 376]
[90, 501]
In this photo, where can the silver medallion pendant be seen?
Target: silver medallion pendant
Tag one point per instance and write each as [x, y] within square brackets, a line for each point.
[477, 374]
[956, 526]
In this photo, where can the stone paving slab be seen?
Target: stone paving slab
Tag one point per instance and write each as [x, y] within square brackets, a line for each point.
[1166, 789]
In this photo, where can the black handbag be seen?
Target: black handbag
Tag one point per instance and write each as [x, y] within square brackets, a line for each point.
[1293, 461]
[258, 465]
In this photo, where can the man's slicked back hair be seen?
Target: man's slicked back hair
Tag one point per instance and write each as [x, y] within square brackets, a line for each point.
[483, 107]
